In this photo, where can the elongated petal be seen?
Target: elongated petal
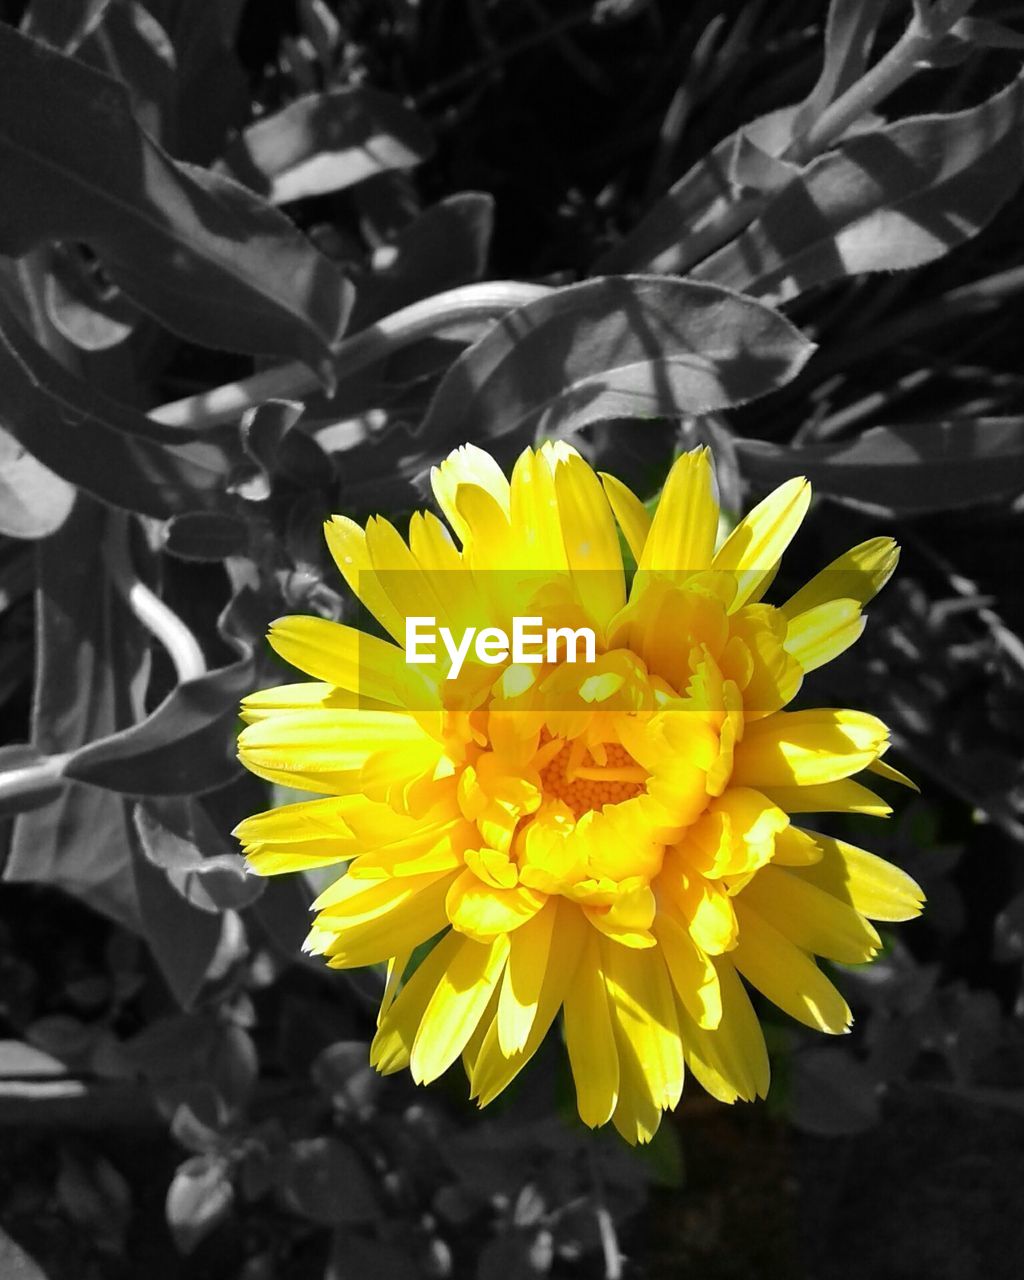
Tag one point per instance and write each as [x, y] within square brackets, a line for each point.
[347, 544]
[692, 971]
[805, 748]
[868, 883]
[351, 659]
[591, 541]
[730, 1061]
[467, 468]
[334, 741]
[493, 1070]
[633, 517]
[396, 1032]
[456, 1006]
[810, 917]
[681, 540]
[755, 546]
[818, 635]
[523, 984]
[787, 975]
[643, 1011]
[845, 796]
[858, 574]
[590, 1039]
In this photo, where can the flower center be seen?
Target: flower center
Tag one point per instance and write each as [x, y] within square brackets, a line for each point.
[584, 782]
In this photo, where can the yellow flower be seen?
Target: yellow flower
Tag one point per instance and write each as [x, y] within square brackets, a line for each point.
[607, 839]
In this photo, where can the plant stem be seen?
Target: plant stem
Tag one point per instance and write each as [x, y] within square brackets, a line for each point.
[158, 618]
[427, 318]
[879, 81]
[30, 778]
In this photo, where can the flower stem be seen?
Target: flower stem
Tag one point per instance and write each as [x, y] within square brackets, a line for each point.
[429, 317]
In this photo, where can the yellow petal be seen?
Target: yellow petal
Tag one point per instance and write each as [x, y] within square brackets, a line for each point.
[411, 922]
[810, 917]
[393, 1042]
[752, 550]
[795, 848]
[693, 973]
[858, 574]
[644, 1017]
[868, 883]
[493, 1070]
[818, 635]
[334, 741]
[700, 905]
[482, 912]
[730, 1061]
[845, 796]
[346, 542]
[590, 1039]
[591, 542]
[456, 1006]
[805, 748]
[633, 517]
[885, 770]
[786, 975]
[681, 540]
[523, 983]
[468, 467]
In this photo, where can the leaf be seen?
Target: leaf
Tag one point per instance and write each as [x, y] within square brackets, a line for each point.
[635, 346]
[129, 44]
[324, 1181]
[111, 451]
[212, 261]
[15, 1263]
[889, 199]
[33, 501]
[20, 1061]
[178, 836]
[61, 25]
[907, 470]
[186, 746]
[198, 1200]
[328, 141]
[91, 313]
[206, 536]
[90, 666]
[685, 224]
[447, 245]
[182, 938]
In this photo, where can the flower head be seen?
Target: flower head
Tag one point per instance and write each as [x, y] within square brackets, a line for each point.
[607, 843]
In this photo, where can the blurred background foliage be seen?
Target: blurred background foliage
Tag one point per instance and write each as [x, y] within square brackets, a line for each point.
[230, 235]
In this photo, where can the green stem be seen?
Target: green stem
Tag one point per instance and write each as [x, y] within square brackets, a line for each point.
[427, 318]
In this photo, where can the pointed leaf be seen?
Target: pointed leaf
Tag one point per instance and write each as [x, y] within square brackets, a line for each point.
[90, 664]
[888, 199]
[633, 346]
[211, 260]
[328, 141]
[907, 470]
[113, 452]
